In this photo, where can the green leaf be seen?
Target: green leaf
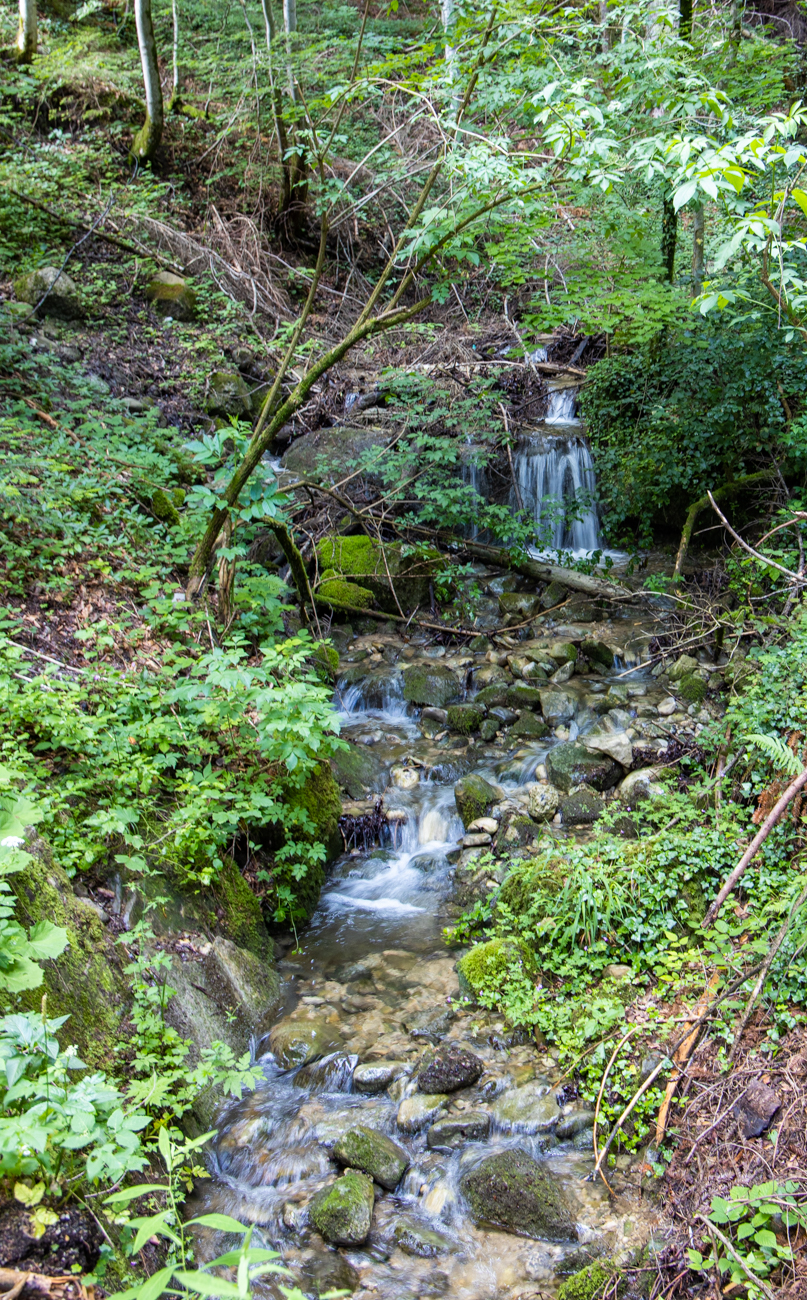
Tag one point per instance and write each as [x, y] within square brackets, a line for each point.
[205, 1284]
[765, 1238]
[48, 940]
[222, 1222]
[130, 1193]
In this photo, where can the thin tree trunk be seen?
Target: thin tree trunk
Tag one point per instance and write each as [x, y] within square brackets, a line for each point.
[605, 37]
[147, 140]
[26, 35]
[685, 19]
[295, 181]
[173, 102]
[277, 108]
[698, 235]
[669, 234]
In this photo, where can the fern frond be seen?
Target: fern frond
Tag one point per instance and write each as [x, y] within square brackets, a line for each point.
[778, 752]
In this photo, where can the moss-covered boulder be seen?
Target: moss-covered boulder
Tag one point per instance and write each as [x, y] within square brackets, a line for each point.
[164, 508]
[474, 797]
[374, 1154]
[341, 594]
[582, 807]
[394, 576]
[86, 982]
[487, 965]
[513, 1191]
[328, 454]
[343, 1213]
[597, 652]
[228, 395]
[171, 295]
[589, 1283]
[430, 684]
[493, 696]
[465, 718]
[358, 771]
[520, 696]
[569, 765]
[692, 688]
[318, 798]
[519, 604]
[296, 1041]
[62, 292]
[530, 726]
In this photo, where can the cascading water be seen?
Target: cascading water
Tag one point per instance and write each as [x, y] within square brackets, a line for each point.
[555, 478]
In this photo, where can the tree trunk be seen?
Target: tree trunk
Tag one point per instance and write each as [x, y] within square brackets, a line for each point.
[698, 234]
[685, 19]
[669, 234]
[606, 34]
[173, 102]
[147, 140]
[26, 35]
[295, 171]
[540, 572]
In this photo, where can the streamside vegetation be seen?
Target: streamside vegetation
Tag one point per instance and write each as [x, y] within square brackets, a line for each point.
[377, 241]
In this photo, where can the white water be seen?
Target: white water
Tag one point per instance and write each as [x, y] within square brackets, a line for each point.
[561, 410]
[550, 473]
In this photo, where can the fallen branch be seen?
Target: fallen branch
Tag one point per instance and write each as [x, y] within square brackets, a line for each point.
[752, 1277]
[763, 559]
[682, 1055]
[542, 572]
[74, 222]
[756, 844]
[728, 490]
[763, 974]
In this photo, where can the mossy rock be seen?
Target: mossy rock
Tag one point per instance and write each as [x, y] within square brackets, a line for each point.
[512, 1190]
[374, 1154]
[487, 964]
[164, 508]
[474, 797]
[589, 1283]
[519, 604]
[597, 652]
[62, 293]
[432, 685]
[387, 570]
[358, 771]
[171, 295]
[239, 914]
[328, 454]
[86, 982]
[319, 798]
[494, 696]
[526, 880]
[582, 807]
[343, 1213]
[692, 688]
[344, 595]
[569, 765]
[325, 661]
[228, 395]
[529, 727]
[465, 718]
[553, 594]
[523, 697]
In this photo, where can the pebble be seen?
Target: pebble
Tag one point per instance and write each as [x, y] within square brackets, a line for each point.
[487, 824]
[667, 707]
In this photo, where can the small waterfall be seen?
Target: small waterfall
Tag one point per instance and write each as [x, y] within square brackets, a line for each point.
[551, 472]
[561, 408]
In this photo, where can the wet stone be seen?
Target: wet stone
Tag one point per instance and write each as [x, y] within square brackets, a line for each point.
[513, 1191]
[416, 1239]
[295, 1042]
[343, 1212]
[372, 1078]
[374, 1154]
[531, 1109]
[431, 1025]
[456, 1130]
[452, 1068]
[756, 1109]
[418, 1112]
[577, 1122]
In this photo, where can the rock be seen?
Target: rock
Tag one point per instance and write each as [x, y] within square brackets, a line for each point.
[488, 729]
[515, 828]
[418, 1112]
[388, 570]
[563, 674]
[692, 688]
[618, 971]
[487, 963]
[228, 394]
[756, 1109]
[342, 1213]
[329, 453]
[683, 667]
[569, 765]
[597, 652]
[530, 1109]
[358, 772]
[374, 1154]
[374, 1077]
[523, 697]
[570, 1125]
[452, 1068]
[562, 651]
[529, 727]
[170, 295]
[455, 1130]
[618, 746]
[416, 1239]
[542, 802]
[504, 717]
[519, 605]
[477, 841]
[323, 1271]
[465, 718]
[640, 785]
[487, 824]
[431, 1025]
[513, 1191]
[490, 675]
[553, 595]
[474, 797]
[405, 778]
[62, 292]
[430, 684]
[558, 706]
[295, 1042]
[437, 716]
[667, 707]
[582, 807]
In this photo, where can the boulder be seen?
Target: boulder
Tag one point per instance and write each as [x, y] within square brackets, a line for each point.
[358, 771]
[563, 674]
[465, 718]
[553, 594]
[530, 1109]
[558, 706]
[640, 785]
[618, 746]
[430, 684]
[416, 1239]
[530, 726]
[62, 292]
[569, 765]
[474, 797]
[488, 728]
[455, 1130]
[513, 1191]
[562, 651]
[227, 395]
[374, 1154]
[295, 1042]
[488, 963]
[597, 652]
[418, 1112]
[582, 807]
[521, 696]
[490, 675]
[343, 1212]
[542, 802]
[519, 605]
[328, 454]
[375, 1076]
[393, 574]
[450, 1069]
[683, 667]
[171, 295]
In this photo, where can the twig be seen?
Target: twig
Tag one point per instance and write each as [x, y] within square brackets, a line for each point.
[752, 1277]
[763, 974]
[681, 1056]
[607, 1071]
[755, 845]
[762, 558]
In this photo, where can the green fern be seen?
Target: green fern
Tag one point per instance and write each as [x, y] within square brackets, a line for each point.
[778, 752]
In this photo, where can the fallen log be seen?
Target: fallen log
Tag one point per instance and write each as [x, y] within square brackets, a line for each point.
[543, 572]
[722, 494]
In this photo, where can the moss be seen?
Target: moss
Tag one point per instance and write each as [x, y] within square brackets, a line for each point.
[464, 718]
[164, 507]
[526, 881]
[362, 557]
[487, 964]
[356, 556]
[319, 798]
[692, 688]
[343, 594]
[325, 661]
[588, 1284]
[530, 726]
[239, 912]
[86, 982]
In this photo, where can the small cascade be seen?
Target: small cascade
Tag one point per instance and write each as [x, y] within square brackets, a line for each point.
[562, 404]
[380, 691]
[551, 474]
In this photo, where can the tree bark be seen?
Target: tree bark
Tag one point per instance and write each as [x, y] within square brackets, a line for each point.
[26, 35]
[669, 234]
[147, 140]
[173, 102]
[698, 236]
[541, 572]
[727, 490]
[685, 19]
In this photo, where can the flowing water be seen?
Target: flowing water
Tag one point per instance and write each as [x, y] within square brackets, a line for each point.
[374, 972]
